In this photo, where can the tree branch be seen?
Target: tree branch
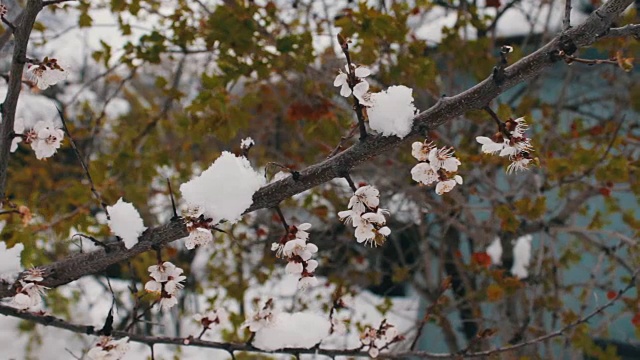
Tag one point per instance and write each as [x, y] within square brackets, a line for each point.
[53, 321]
[71, 269]
[21, 35]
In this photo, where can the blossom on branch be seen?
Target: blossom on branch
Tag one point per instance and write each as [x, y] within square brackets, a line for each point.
[437, 165]
[354, 83]
[377, 339]
[109, 349]
[213, 317]
[166, 282]
[29, 293]
[513, 143]
[47, 73]
[265, 317]
[297, 250]
[366, 217]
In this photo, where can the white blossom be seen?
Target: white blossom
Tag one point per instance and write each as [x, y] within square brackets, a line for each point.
[300, 248]
[261, 319]
[109, 349]
[47, 139]
[166, 281]
[49, 73]
[420, 150]
[218, 317]
[443, 159]
[489, 146]
[306, 282]
[18, 129]
[198, 237]
[294, 268]
[516, 145]
[365, 197]
[448, 185]
[519, 163]
[424, 173]
[360, 89]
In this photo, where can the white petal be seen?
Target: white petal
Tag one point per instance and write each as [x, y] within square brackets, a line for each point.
[362, 72]
[345, 90]
[340, 80]
[294, 268]
[312, 265]
[361, 88]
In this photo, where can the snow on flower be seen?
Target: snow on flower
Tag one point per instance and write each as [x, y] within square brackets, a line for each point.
[392, 111]
[198, 237]
[213, 317]
[225, 190]
[264, 318]
[376, 339]
[166, 281]
[125, 222]
[366, 217]
[297, 330]
[29, 292]
[513, 143]
[521, 256]
[48, 73]
[247, 143]
[109, 349]
[437, 165]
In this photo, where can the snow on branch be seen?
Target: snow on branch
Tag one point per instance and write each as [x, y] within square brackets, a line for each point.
[446, 109]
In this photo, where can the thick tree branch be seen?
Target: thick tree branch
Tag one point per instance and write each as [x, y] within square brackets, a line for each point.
[79, 265]
[270, 196]
[21, 35]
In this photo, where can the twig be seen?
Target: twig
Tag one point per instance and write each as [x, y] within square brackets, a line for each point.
[8, 23]
[566, 22]
[343, 139]
[282, 220]
[54, 2]
[352, 185]
[173, 202]
[49, 320]
[84, 166]
[344, 44]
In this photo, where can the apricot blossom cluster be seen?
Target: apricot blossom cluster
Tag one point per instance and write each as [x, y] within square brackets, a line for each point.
[511, 141]
[297, 250]
[366, 216]
[436, 165]
[166, 282]
[44, 137]
[380, 338]
[29, 292]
